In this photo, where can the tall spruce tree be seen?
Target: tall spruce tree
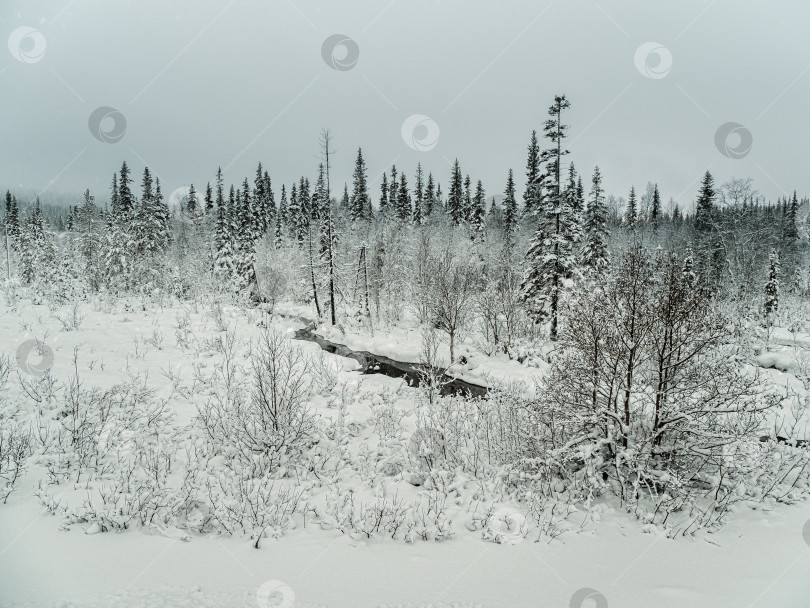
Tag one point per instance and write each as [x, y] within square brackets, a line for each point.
[418, 196]
[429, 198]
[467, 205]
[12, 219]
[632, 208]
[126, 200]
[360, 202]
[393, 191]
[510, 211]
[192, 205]
[404, 207]
[704, 209]
[209, 199]
[384, 203]
[655, 211]
[115, 202]
[595, 253]
[791, 229]
[550, 259]
[455, 198]
[533, 193]
[478, 213]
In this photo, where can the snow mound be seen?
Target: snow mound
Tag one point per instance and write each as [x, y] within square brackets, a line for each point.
[783, 361]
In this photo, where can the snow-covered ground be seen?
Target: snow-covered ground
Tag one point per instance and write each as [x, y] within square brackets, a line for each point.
[760, 558]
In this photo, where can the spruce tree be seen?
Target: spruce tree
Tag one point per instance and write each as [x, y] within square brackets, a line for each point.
[418, 196]
[12, 219]
[115, 203]
[150, 224]
[209, 199]
[222, 239]
[192, 205]
[791, 229]
[319, 201]
[282, 215]
[89, 241]
[164, 237]
[304, 198]
[632, 208]
[393, 190]
[429, 198]
[510, 211]
[595, 254]
[704, 210]
[126, 201]
[478, 212]
[384, 204]
[532, 195]
[467, 205]
[232, 211]
[573, 195]
[404, 209]
[550, 259]
[220, 190]
[360, 202]
[298, 222]
[455, 198]
[655, 212]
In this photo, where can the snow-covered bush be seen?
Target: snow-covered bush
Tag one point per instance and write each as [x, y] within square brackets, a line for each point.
[262, 415]
[15, 449]
[480, 435]
[645, 399]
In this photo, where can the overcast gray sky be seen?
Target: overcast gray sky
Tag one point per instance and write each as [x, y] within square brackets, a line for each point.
[203, 83]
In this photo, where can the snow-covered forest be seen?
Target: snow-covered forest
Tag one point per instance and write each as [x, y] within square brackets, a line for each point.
[404, 304]
[634, 358]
